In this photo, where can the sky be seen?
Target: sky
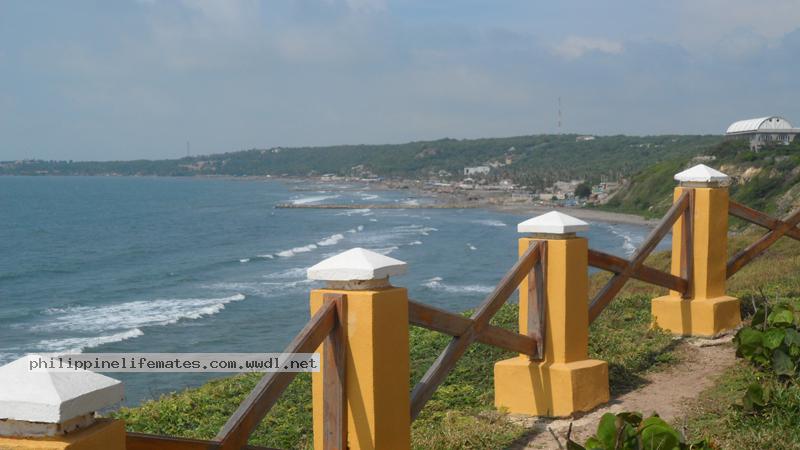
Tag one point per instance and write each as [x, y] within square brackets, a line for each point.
[108, 80]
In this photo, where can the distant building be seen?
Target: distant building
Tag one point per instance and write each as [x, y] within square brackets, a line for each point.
[477, 170]
[763, 131]
[584, 138]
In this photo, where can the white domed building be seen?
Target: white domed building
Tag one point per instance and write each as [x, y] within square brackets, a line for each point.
[771, 130]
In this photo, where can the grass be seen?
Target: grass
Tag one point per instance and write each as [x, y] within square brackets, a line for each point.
[717, 414]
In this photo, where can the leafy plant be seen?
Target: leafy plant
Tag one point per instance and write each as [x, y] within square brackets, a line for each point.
[772, 341]
[629, 431]
[755, 398]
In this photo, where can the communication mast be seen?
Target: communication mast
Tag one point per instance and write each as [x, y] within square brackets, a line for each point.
[559, 114]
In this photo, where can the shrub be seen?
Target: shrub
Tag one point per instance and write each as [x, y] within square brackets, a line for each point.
[772, 341]
[629, 431]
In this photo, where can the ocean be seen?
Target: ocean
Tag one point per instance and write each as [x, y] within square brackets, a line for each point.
[139, 264]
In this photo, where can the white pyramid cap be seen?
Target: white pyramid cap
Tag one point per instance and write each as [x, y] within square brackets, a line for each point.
[356, 264]
[701, 173]
[53, 396]
[553, 222]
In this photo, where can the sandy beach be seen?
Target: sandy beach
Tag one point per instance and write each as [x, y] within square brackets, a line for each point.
[592, 215]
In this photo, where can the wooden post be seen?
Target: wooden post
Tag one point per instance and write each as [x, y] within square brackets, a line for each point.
[374, 364]
[699, 254]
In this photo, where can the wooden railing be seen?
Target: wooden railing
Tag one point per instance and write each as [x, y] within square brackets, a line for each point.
[325, 327]
[776, 227]
[478, 326]
[624, 270]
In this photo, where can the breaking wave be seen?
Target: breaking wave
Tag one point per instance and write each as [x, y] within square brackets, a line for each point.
[312, 199]
[436, 283]
[489, 222]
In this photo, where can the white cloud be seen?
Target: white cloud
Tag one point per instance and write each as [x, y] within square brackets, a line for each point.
[576, 46]
[706, 25]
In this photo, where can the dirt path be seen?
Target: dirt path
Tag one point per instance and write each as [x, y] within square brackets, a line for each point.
[665, 393]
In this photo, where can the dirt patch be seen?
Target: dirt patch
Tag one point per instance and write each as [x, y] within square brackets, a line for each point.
[666, 392]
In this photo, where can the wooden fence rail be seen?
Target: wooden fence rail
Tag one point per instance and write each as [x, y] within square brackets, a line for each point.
[777, 228]
[237, 430]
[479, 321]
[616, 283]
[644, 273]
[453, 324]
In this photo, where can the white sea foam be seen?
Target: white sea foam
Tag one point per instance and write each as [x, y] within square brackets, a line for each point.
[324, 242]
[385, 250]
[471, 247]
[331, 240]
[295, 272]
[629, 241]
[79, 344]
[356, 229]
[436, 283]
[312, 199]
[245, 260]
[394, 236]
[373, 220]
[415, 243]
[350, 212]
[130, 315]
[263, 288]
[489, 222]
[293, 251]
[369, 196]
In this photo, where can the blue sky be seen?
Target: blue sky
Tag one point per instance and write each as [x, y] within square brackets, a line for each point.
[105, 80]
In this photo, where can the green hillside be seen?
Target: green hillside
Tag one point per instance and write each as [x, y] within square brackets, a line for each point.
[767, 180]
[534, 161]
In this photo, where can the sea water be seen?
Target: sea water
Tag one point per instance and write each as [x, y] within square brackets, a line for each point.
[139, 264]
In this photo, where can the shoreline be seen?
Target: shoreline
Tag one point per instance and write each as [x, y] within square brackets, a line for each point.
[488, 200]
[587, 214]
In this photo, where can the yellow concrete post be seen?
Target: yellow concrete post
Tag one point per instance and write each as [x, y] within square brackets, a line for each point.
[707, 311]
[51, 409]
[566, 380]
[376, 348]
[104, 434]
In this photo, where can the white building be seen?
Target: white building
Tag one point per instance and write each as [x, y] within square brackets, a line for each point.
[762, 131]
[477, 170]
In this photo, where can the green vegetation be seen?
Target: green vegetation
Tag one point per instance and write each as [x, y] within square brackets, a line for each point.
[629, 431]
[460, 414]
[772, 340]
[752, 405]
[534, 161]
[768, 180]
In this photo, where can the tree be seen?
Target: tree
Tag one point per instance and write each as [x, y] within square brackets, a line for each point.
[583, 190]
